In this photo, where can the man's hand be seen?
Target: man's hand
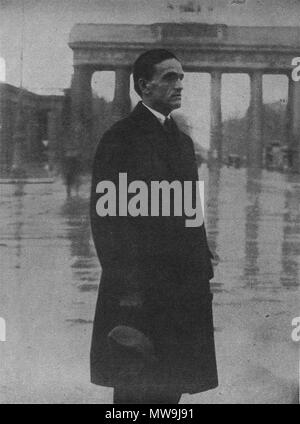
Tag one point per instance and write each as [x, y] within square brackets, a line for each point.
[215, 259]
[134, 340]
[132, 300]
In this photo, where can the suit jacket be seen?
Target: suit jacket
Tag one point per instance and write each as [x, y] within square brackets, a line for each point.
[155, 270]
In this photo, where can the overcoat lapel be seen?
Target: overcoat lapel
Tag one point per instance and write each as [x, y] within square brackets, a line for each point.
[170, 149]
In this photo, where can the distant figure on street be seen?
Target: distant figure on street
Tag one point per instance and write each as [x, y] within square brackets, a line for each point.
[71, 164]
[71, 171]
[45, 154]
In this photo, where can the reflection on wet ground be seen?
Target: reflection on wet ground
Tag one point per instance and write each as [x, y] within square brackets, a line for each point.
[50, 277]
[253, 223]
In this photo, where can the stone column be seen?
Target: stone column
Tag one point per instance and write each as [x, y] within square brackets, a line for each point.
[293, 111]
[216, 115]
[255, 141]
[52, 133]
[19, 134]
[34, 135]
[81, 105]
[289, 118]
[121, 102]
[5, 133]
[29, 140]
[12, 113]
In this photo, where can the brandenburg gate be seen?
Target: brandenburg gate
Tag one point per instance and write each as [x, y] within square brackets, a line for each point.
[215, 49]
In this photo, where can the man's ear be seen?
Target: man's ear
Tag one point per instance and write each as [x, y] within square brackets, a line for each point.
[144, 86]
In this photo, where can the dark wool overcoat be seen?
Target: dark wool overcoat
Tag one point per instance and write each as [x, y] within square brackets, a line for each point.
[155, 269]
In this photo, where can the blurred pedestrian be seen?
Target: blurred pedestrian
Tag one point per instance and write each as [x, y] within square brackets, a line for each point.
[71, 163]
[71, 172]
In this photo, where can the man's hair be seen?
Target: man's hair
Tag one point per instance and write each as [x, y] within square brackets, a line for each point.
[144, 66]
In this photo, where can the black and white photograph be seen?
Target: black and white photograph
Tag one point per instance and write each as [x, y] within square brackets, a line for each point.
[149, 204]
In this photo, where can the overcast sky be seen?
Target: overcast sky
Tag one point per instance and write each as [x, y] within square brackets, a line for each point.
[47, 65]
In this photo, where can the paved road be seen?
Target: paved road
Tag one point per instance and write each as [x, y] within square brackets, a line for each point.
[49, 280]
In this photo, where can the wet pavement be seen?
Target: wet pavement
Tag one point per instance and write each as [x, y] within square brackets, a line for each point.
[50, 274]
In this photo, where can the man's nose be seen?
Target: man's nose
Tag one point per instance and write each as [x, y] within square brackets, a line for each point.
[179, 85]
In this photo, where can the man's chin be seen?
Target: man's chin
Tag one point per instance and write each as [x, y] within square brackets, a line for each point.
[176, 104]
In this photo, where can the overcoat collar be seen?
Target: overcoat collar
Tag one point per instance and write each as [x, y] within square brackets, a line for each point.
[172, 150]
[146, 119]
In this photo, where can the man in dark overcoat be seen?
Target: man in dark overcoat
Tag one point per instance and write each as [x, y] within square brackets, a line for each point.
[153, 329]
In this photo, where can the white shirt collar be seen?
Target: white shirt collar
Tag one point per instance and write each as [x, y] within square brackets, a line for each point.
[158, 115]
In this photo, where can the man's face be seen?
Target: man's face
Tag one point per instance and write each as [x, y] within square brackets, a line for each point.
[163, 91]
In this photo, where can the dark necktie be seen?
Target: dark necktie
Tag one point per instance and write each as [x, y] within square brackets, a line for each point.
[172, 140]
[169, 126]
